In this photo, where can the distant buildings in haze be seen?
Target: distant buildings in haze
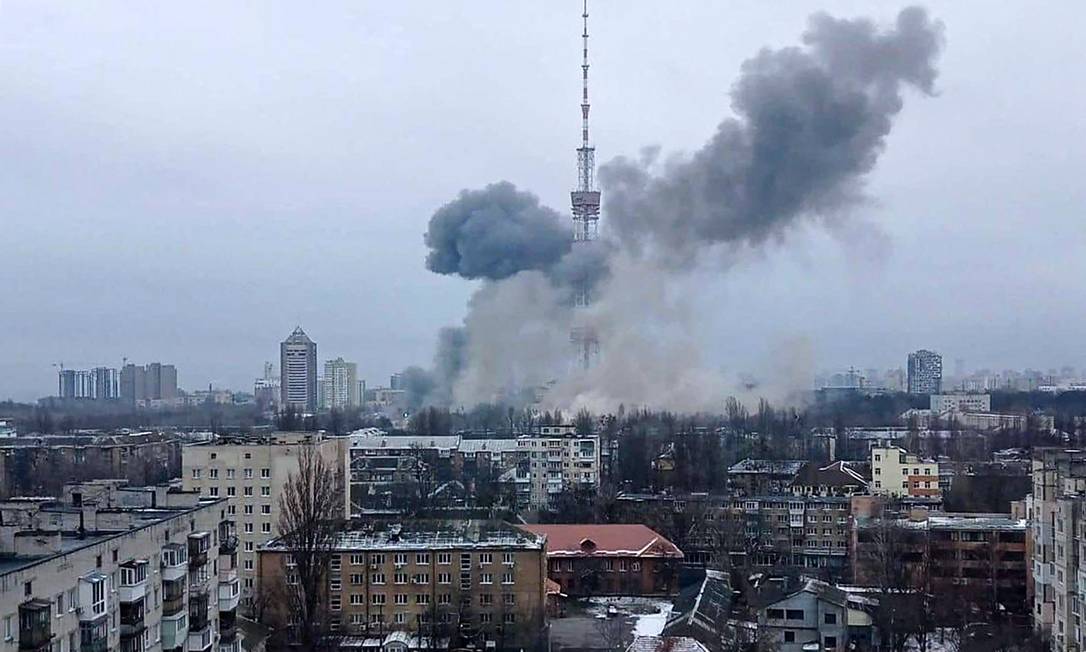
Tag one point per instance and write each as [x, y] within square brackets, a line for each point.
[100, 383]
[339, 387]
[145, 384]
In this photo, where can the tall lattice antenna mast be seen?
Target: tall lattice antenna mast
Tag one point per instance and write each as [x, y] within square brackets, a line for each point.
[586, 206]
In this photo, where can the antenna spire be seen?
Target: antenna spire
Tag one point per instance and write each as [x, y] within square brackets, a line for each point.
[586, 208]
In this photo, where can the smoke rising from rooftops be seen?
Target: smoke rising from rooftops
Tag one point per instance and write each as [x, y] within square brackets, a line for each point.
[808, 123]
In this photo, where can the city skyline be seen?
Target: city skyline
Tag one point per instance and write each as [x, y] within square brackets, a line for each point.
[949, 198]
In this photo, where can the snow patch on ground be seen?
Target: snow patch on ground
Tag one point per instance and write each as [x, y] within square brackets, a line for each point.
[649, 615]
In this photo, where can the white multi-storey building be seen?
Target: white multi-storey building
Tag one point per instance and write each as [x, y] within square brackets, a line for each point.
[253, 472]
[110, 567]
[941, 403]
[339, 391]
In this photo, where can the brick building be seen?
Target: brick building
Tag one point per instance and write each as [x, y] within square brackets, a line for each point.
[451, 583]
[610, 559]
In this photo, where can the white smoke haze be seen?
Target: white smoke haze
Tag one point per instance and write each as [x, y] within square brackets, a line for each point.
[808, 123]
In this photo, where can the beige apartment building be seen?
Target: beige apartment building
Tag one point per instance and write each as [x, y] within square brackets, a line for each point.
[428, 585]
[251, 472]
[897, 472]
[109, 567]
[560, 461]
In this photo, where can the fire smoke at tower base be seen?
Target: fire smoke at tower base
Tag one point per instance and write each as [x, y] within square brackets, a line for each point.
[809, 122]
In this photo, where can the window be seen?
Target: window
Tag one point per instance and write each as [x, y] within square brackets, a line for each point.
[794, 614]
[265, 473]
[377, 619]
[444, 578]
[248, 473]
[635, 566]
[356, 560]
[337, 603]
[400, 618]
[214, 491]
[486, 578]
[486, 599]
[422, 578]
[249, 546]
[509, 598]
[422, 598]
[266, 509]
[247, 509]
[265, 491]
[248, 564]
[60, 604]
[377, 559]
[248, 528]
[229, 474]
[508, 558]
[422, 558]
[509, 618]
[377, 598]
[400, 598]
[356, 598]
[248, 491]
[231, 491]
[774, 614]
[335, 584]
[829, 642]
[829, 619]
[444, 598]
[196, 474]
[265, 527]
[486, 558]
[377, 578]
[507, 578]
[400, 559]
[444, 558]
[789, 637]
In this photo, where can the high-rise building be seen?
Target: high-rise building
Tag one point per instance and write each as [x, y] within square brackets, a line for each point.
[74, 383]
[253, 473]
[298, 371]
[340, 386]
[153, 382]
[925, 372]
[106, 385]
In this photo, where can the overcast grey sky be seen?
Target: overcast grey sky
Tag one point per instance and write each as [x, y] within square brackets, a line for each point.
[186, 182]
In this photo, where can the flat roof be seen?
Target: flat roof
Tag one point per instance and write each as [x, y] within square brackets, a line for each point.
[431, 534]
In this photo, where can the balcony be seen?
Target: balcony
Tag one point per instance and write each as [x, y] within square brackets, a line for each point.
[198, 618]
[228, 627]
[175, 631]
[200, 640]
[35, 625]
[173, 598]
[228, 537]
[229, 594]
[199, 545]
[132, 625]
[133, 586]
[94, 634]
[175, 561]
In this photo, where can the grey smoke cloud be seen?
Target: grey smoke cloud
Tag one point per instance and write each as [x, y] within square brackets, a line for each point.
[494, 233]
[809, 123]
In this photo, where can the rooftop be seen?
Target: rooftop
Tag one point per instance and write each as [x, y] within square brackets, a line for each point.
[617, 540]
[431, 534]
[775, 467]
[666, 644]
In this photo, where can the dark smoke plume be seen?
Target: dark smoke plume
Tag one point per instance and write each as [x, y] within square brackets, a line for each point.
[810, 122]
[494, 233]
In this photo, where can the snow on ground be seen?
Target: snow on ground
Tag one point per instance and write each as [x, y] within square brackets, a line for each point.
[649, 615]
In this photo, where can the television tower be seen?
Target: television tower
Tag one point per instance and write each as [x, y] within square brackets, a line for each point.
[586, 212]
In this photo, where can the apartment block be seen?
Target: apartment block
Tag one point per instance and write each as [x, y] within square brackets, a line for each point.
[896, 472]
[1056, 509]
[536, 467]
[110, 567]
[252, 472]
[454, 584]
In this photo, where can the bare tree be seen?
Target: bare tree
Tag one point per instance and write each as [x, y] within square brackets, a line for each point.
[311, 515]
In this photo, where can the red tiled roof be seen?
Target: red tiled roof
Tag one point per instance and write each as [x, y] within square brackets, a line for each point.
[612, 540]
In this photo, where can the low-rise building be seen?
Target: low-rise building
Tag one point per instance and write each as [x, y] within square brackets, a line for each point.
[814, 616]
[896, 472]
[111, 567]
[453, 583]
[961, 403]
[753, 477]
[834, 479]
[612, 559]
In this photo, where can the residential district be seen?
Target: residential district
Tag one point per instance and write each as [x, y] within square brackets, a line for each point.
[322, 514]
